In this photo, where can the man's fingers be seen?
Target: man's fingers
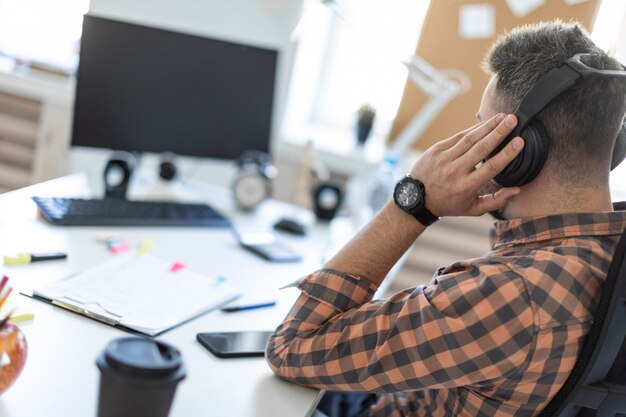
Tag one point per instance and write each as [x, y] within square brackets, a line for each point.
[495, 201]
[495, 165]
[475, 134]
[483, 148]
[450, 142]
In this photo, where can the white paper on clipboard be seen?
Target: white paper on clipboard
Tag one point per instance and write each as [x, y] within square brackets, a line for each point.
[140, 293]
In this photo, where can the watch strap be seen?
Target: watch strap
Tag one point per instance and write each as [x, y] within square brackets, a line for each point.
[423, 215]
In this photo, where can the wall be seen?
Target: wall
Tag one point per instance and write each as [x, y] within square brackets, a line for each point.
[441, 28]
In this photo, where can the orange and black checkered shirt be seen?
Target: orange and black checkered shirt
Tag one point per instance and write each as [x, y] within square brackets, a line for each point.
[492, 336]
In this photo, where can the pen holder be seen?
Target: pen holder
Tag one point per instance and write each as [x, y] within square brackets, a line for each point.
[13, 351]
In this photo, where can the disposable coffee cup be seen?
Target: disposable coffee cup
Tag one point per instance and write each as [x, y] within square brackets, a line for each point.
[138, 377]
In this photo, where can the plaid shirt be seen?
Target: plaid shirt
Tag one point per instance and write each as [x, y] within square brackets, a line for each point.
[492, 336]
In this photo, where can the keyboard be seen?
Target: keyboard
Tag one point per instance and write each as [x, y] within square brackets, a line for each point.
[120, 212]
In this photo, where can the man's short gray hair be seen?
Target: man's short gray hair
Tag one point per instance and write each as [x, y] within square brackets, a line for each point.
[583, 122]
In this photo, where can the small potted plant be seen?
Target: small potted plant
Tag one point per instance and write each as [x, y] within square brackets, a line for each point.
[365, 121]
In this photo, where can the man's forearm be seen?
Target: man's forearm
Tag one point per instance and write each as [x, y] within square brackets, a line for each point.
[374, 250]
[335, 336]
[453, 184]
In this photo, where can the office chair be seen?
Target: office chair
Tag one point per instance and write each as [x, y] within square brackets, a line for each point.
[597, 385]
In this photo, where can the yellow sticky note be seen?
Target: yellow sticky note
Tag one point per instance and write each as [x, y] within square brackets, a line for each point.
[15, 318]
[145, 246]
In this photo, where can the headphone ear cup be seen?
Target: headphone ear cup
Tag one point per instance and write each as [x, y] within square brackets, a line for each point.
[619, 150]
[527, 165]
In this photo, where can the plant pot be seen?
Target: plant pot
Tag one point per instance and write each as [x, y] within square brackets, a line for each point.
[363, 130]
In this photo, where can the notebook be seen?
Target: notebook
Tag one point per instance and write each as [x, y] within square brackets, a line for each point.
[140, 293]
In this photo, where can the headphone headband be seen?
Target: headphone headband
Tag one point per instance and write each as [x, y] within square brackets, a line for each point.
[555, 82]
[527, 165]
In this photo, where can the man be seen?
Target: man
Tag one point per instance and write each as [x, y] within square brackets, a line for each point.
[492, 336]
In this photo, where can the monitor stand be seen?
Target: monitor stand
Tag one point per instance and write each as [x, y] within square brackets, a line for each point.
[149, 186]
[192, 183]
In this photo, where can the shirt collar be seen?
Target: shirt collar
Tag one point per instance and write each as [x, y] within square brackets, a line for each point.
[559, 226]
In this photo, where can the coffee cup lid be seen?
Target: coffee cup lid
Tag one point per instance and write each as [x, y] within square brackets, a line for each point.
[142, 358]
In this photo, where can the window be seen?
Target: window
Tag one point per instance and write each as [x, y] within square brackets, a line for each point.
[42, 31]
[350, 54]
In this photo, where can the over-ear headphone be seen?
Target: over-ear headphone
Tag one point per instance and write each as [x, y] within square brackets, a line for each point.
[527, 165]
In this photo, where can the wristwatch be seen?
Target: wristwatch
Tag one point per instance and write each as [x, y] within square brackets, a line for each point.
[410, 196]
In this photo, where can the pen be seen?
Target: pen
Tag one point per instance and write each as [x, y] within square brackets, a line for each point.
[26, 258]
[232, 309]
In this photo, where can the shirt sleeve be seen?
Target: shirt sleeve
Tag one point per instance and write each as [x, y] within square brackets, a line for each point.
[471, 325]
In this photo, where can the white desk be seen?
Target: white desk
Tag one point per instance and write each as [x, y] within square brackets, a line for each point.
[60, 377]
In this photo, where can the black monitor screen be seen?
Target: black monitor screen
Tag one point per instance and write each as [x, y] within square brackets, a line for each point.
[150, 90]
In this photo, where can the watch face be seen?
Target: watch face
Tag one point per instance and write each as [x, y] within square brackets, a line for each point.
[250, 190]
[407, 194]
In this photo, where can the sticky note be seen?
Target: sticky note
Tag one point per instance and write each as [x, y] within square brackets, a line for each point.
[118, 246]
[219, 280]
[177, 266]
[16, 318]
[145, 246]
[106, 238]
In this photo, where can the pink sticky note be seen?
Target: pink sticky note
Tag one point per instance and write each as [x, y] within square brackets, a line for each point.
[119, 247]
[177, 266]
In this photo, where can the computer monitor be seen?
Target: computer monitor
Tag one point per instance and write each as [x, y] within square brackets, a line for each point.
[151, 90]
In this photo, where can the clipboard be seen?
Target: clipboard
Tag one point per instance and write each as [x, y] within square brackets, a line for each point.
[139, 293]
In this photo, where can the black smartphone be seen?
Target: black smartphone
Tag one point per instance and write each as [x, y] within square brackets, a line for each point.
[235, 344]
[265, 244]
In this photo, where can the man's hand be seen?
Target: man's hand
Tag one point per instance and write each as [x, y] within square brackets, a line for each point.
[452, 179]
[453, 173]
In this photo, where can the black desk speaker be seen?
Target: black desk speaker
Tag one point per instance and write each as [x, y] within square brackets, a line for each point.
[117, 174]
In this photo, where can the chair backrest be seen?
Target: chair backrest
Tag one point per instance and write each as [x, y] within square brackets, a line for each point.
[597, 384]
